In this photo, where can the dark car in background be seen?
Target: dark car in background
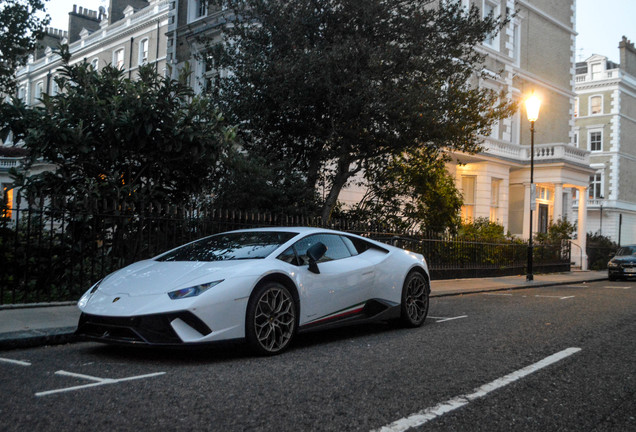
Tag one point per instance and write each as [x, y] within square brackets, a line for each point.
[623, 264]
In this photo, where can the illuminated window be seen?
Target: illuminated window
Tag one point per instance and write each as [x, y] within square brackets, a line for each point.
[576, 107]
[468, 191]
[7, 203]
[495, 187]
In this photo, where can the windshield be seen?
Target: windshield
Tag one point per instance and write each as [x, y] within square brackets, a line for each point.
[230, 246]
[627, 250]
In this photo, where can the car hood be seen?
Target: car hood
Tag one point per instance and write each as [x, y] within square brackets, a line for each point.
[624, 259]
[157, 277]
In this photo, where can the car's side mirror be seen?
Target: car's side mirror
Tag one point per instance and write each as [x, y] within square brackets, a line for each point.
[314, 253]
[612, 254]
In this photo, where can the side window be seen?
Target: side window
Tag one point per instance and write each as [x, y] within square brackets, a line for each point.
[289, 256]
[360, 246]
[352, 248]
[336, 248]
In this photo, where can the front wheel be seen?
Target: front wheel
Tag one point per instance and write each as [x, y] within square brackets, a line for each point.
[415, 295]
[271, 319]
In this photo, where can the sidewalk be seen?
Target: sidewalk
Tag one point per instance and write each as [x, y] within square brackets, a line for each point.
[53, 323]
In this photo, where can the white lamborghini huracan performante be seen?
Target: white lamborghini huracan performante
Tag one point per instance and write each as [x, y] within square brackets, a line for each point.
[263, 285]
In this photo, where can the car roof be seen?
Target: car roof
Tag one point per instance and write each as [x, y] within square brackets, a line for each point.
[294, 229]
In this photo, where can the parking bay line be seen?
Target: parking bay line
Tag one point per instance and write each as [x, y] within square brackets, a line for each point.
[444, 319]
[558, 297]
[618, 287]
[17, 362]
[438, 410]
[98, 381]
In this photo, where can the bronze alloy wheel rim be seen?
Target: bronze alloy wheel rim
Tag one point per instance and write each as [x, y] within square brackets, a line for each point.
[275, 319]
[416, 298]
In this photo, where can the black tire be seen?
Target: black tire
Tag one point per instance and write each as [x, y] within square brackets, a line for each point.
[272, 319]
[415, 299]
[611, 278]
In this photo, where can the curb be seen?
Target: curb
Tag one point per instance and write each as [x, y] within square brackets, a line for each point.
[36, 305]
[513, 287]
[35, 338]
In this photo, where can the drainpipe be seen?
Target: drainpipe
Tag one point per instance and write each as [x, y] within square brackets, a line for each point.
[130, 57]
[157, 50]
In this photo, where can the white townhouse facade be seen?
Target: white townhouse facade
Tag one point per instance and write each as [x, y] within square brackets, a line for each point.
[534, 53]
[605, 125]
[130, 33]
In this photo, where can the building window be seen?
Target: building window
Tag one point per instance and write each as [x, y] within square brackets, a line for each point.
[516, 43]
[143, 52]
[596, 105]
[7, 203]
[22, 94]
[575, 139]
[491, 7]
[596, 141]
[197, 9]
[39, 87]
[597, 71]
[495, 187]
[118, 58]
[55, 89]
[595, 191]
[468, 191]
[576, 107]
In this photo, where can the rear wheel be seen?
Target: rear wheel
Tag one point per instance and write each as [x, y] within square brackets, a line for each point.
[415, 295]
[271, 319]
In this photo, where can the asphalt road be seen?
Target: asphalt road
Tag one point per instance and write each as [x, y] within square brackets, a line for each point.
[449, 372]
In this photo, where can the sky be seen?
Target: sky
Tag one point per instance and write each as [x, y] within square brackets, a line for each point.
[600, 24]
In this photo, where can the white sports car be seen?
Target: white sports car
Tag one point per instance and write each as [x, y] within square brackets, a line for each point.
[264, 285]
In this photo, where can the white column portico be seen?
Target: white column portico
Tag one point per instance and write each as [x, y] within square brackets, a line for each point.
[558, 201]
[526, 211]
[581, 240]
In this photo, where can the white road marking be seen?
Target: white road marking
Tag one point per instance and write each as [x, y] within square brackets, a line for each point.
[18, 362]
[431, 413]
[618, 287]
[443, 319]
[558, 297]
[497, 294]
[99, 381]
[76, 375]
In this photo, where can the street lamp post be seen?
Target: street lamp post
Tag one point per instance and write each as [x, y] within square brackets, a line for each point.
[533, 103]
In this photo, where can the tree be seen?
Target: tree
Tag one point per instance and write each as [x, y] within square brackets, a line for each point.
[331, 87]
[20, 29]
[115, 138]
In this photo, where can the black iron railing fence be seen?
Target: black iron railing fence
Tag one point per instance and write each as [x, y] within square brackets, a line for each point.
[55, 252]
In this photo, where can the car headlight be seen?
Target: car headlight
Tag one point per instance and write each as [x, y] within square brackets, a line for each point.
[88, 294]
[612, 264]
[192, 291]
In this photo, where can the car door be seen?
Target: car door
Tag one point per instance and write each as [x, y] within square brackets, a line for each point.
[342, 286]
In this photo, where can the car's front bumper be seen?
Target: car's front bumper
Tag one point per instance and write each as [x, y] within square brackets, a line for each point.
[156, 329]
[621, 272]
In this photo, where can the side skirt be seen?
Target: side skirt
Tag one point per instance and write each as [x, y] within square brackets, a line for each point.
[373, 310]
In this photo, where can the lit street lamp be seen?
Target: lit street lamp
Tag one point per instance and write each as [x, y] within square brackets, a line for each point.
[533, 103]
